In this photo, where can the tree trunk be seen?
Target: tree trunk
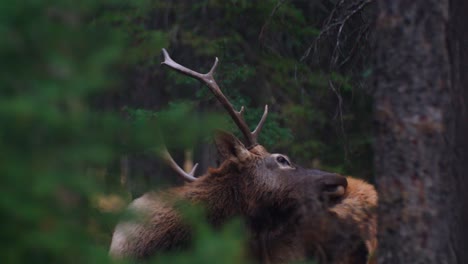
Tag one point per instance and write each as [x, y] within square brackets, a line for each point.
[421, 146]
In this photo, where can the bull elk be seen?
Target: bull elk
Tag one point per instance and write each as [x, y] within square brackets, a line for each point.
[291, 213]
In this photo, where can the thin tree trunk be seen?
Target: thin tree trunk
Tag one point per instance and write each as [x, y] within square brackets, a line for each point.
[421, 137]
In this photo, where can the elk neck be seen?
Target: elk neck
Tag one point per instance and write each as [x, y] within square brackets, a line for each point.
[219, 191]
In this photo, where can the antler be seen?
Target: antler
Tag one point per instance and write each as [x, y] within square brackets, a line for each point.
[208, 80]
[170, 161]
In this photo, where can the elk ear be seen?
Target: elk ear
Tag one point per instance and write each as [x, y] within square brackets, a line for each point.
[229, 146]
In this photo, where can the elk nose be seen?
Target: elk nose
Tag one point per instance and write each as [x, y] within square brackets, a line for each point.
[334, 185]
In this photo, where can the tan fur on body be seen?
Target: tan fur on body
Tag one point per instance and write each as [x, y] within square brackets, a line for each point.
[359, 207]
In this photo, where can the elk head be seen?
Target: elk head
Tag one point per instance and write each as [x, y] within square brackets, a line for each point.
[265, 180]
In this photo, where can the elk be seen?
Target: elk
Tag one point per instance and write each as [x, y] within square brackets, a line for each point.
[290, 212]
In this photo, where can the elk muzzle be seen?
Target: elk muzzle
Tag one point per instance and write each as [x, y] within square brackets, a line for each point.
[332, 186]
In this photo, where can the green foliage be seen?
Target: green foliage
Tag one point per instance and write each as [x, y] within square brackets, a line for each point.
[49, 134]
[128, 20]
[175, 121]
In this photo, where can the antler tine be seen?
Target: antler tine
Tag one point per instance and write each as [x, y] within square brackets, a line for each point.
[170, 161]
[259, 127]
[210, 82]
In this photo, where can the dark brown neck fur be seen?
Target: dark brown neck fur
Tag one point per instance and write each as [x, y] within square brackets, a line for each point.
[218, 192]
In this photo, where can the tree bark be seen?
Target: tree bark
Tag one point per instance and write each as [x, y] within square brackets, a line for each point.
[421, 130]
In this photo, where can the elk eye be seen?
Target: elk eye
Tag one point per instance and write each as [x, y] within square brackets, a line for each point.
[283, 161]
